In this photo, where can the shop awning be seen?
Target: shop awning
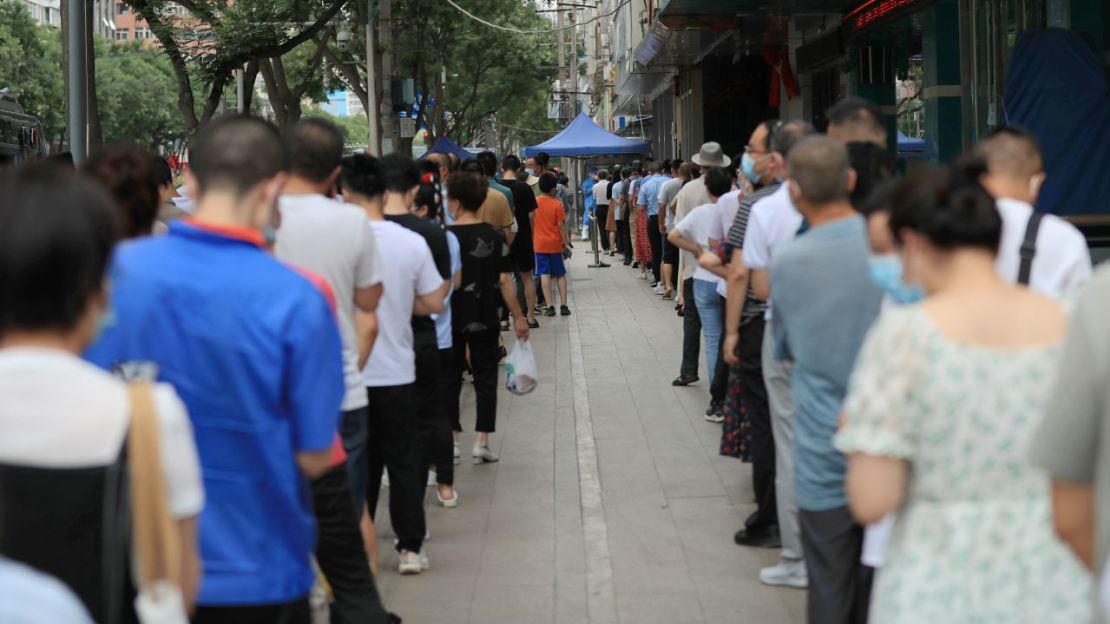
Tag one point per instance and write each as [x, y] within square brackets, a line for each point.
[722, 14]
[583, 137]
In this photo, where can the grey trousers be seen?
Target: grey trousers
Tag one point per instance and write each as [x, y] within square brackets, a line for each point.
[839, 585]
[777, 376]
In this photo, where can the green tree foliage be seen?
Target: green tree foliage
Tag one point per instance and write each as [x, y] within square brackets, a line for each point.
[30, 66]
[137, 93]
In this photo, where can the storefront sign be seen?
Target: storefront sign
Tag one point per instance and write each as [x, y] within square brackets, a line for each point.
[870, 13]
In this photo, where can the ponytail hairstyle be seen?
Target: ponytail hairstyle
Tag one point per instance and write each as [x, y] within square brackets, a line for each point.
[429, 194]
[948, 206]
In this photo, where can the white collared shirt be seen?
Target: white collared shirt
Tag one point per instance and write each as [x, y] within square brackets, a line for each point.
[1062, 264]
[773, 222]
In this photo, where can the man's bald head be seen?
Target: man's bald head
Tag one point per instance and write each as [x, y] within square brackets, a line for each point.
[1011, 153]
[821, 170]
[855, 120]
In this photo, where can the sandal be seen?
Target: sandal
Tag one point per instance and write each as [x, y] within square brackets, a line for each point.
[533, 324]
[668, 295]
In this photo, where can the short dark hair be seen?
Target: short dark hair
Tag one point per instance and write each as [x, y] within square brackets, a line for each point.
[488, 160]
[819, 166]
[770, 125]
[57, 231]
[563, 179]
[315, 148]
[717, 181]
[469, 189]
[542, 159]
[947, 206]
[1011, 151]
[626, 173]
[399, 172]
[878, 200]
[471, 165]
[603, 175]
[654, 166]
[785, 136]
[873, 165]
[863, 117]
[361, 175]
[129, 177]
[163, 175]
[510, 163]
[548, 182]
[236, 153]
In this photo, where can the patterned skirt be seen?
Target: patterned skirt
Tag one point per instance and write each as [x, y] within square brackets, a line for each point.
[736, 435]
[642, 246]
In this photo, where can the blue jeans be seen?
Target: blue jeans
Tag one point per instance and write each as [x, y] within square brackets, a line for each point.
[709, 311]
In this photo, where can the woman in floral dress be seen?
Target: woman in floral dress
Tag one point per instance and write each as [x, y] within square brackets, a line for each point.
[938, 422]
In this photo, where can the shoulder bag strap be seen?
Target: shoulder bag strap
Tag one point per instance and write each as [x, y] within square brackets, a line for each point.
[154, 533]
[1029, 248]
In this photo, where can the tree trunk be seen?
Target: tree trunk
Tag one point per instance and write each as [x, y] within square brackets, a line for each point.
[250, 75]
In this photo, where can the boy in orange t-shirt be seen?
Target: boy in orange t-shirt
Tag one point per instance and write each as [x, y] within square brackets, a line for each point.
[549, 240]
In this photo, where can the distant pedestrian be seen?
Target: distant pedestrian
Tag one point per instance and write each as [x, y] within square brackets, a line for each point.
[550, 242]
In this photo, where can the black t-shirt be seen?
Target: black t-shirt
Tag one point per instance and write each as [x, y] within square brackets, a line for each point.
[524, 203]
[475, 306]
[441, 254]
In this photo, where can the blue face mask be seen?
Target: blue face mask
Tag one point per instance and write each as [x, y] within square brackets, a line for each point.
[530, 171]
[269, 235]
[747, 165]
[886, 272]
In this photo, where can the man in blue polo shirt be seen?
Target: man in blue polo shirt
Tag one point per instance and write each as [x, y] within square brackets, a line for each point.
[649, 199]
[254, 351]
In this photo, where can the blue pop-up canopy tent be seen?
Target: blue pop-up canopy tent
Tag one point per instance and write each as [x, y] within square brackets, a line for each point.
[445, 145]
[582, 137]
[910, 144]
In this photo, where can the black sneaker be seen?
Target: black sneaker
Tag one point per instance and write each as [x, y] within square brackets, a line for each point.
[763, 539]
[564, 310]
[549, 311]
[713, 408]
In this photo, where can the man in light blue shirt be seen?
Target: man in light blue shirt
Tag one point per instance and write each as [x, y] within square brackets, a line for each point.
[649, 199]
[824, 304]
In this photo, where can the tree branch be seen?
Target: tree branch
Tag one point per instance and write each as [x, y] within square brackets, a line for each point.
[313, 65]
[185, 103]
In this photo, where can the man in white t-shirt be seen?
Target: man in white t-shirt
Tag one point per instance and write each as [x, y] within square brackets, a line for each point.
[1061, 262]
[601, 208]
[772, 224]
[412, 286]
[330, 239]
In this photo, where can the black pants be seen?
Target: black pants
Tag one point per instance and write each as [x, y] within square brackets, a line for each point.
[624, 239]
[352, 429]
[440, 448]
[754, 392]
[340, 552]
[838, 583]
[483, 365]
[655, 239]
[296, 612]
[393, 445]
[601, 213]
[691, 330]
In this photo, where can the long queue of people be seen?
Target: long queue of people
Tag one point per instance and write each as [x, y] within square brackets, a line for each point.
[228, 388]
[890, 354]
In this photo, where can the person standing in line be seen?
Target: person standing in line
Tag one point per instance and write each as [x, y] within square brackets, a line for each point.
[1061, 262]
[326, 237]
[695, 234]
[551, 242]
[412, 286]
[66, 450]
[399, 171]
[611, 221]
[942, 409]
[668, 194]
[257, 360]
[524, 257]
[743, 346]
[641, 247]
[648, 202]
[690, 196]
[619, 206]
[495, 208]
[589, 204]
[601, 210]
[328, 241]
[441, 448]
[825, 302]
[486, 272]
[772, 224]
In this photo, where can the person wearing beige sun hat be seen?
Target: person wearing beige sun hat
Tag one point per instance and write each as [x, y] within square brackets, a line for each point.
[692, 195]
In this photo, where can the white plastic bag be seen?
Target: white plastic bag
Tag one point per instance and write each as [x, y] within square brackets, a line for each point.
[520, 369]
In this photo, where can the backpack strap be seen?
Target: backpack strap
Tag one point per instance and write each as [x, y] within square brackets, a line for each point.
[1029, 247]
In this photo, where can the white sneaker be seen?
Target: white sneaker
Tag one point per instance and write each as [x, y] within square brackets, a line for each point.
[642, 276]
[449, 503]
[482, 454]
[457, 453]
[409, 563]
[659, 290]
[431, 478]
[786, 573]
[425, 564]
[715, 417]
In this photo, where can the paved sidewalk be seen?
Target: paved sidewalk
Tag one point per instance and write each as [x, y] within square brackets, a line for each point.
[610, 502]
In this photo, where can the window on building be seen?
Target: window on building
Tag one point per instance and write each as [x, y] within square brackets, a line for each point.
[122, 34]
[142, 33]
[121, 8]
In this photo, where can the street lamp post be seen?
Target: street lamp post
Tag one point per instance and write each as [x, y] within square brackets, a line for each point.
[77, 63]
[374, 144]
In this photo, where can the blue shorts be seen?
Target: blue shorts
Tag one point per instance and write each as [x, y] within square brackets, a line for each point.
[550, 264]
